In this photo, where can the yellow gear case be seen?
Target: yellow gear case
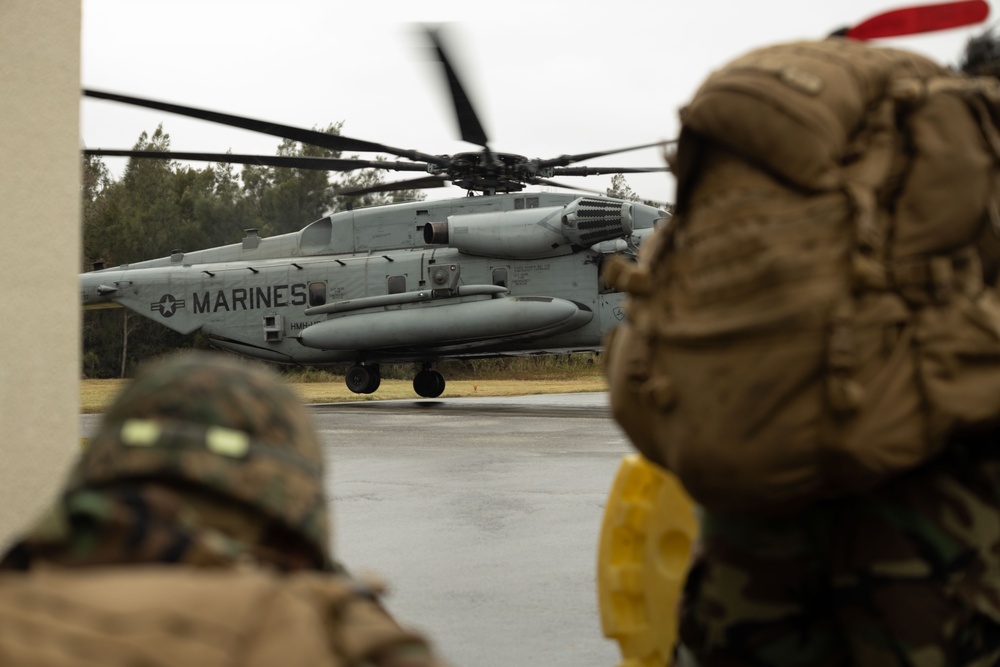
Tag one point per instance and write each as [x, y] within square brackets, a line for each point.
[643, 556]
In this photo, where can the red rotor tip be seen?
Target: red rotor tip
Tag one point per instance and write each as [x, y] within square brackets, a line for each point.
[923, 18]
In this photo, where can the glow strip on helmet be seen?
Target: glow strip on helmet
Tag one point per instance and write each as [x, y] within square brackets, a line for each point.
[222, 441]
[140, 432]
[227, 442]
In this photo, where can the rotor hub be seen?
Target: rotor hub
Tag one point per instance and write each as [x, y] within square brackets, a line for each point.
[488, 172]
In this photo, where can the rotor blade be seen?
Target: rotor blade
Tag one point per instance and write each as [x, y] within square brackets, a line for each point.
[553, 184]
[543, 181]
[298, 162]
[331, 141]
[564, 160]
[600, 171]
[468, 122]
[424, 183]
[919, 19]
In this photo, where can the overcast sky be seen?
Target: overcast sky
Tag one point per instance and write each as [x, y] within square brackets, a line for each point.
[548, 77]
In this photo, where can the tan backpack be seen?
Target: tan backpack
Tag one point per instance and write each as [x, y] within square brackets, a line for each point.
[174, 615]
[813, 319]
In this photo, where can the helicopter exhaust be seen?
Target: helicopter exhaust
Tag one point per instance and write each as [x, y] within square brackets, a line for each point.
[537, 232]
[436, 232]
[589, 221]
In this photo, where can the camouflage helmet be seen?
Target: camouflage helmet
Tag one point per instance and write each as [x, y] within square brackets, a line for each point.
[220, 424]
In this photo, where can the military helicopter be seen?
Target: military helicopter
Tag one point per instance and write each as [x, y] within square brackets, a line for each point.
[500, 272]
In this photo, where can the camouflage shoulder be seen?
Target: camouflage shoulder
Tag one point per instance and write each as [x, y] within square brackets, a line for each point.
[361, 630]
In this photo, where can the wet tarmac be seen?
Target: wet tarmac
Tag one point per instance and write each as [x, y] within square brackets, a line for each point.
[483, 516]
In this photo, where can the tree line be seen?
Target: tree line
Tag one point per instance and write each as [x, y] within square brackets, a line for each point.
[157, 206]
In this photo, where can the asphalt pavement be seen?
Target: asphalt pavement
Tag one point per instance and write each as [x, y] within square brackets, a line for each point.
[482, 515]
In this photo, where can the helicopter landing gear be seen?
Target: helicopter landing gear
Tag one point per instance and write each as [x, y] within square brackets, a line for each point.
[428, 383]
[363, 379]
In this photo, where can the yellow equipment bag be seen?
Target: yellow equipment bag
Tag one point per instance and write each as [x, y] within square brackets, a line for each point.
[814, 317]
[647, 539]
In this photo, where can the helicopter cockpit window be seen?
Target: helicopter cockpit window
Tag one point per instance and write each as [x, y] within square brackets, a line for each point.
[500, 277]
[397, 284]
[317, 294]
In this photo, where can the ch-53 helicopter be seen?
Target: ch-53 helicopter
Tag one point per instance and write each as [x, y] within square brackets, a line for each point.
[504, 273]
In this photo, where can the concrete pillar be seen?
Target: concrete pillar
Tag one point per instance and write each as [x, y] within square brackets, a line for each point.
[39, 253]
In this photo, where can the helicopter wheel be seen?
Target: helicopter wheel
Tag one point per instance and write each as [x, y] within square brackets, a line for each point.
[363, 379]
[428, 383]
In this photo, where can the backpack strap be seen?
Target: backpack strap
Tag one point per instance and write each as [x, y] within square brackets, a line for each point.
[863, 182]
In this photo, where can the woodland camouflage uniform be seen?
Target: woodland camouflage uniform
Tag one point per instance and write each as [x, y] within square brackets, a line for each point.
[194, 530]
[906, 576]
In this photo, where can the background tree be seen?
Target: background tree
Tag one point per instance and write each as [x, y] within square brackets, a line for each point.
[620, 189]
[365, 178]
[282, 200]
[981, 56]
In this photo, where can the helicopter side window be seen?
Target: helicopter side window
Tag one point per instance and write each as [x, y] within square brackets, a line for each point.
[317, 294]
[397, 284]
[500, 277]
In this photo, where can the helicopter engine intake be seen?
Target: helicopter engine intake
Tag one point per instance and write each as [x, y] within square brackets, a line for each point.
[536, 232]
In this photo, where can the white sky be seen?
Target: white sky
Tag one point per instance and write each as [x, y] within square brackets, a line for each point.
[548, 77]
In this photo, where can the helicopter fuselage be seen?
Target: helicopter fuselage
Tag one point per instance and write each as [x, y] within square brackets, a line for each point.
[480, 276]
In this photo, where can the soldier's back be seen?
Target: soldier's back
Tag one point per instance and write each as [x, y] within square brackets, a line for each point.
[169, 615]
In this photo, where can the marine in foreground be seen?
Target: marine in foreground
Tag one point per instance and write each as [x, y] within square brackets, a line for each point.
[813, 348]
[194, 531]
